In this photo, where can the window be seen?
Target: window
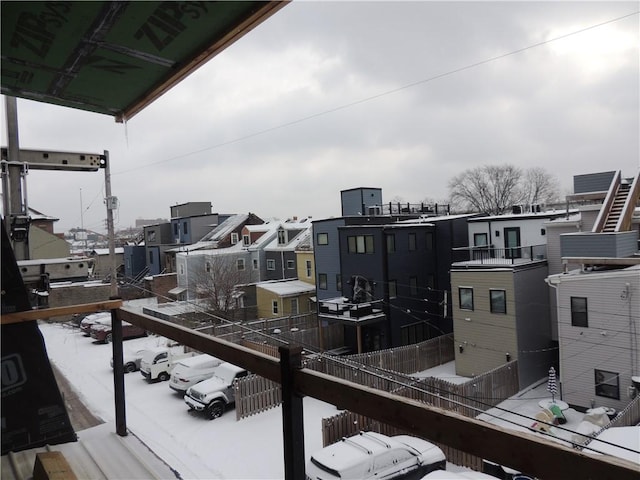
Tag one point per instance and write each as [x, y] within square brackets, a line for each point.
[360, 244]
[181, 269]
[393, 289]
[240, 264]
[413, 244]
[429, 241]
[274, 307]
[322, 239]
[234, 238]
[151, 257]
[391, 243]
[282, 236]
[151, 236]
[185, 228]
[607, 384]
[480, 240]
[413, 286]
[466, 298]
[579, 316]
[255, 264]
[175, 229]
[207, 267]
[414, 333]
[322, 281]
[308, 268]
[339, 282]
[271, 264]
[291, 264]
[246, 240]
[294, 306]
[498, 301]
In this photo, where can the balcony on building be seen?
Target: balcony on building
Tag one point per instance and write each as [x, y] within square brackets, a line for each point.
[343, 310]
[491, 256]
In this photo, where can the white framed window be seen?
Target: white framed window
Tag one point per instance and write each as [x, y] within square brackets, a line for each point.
[255, 264]
[308, 268]
[234, 238]
[274, 307]
[271, 264]
[294, 306]
[207, 267]
[240, 264]
[291, 264]
[282, 236]
[246, 240]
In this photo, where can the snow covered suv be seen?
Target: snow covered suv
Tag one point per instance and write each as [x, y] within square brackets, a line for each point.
[213, 395]
[371, 455]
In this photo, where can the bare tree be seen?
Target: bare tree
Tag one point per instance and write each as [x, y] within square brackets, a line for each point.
[539, 187]
[489, 189]
[495, 189]
[217, 279]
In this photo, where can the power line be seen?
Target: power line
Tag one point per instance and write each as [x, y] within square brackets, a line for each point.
[379, 95]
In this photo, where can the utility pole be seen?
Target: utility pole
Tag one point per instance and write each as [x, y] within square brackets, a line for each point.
[112, 204]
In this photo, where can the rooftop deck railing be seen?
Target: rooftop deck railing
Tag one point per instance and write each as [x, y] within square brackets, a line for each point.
[488, 255]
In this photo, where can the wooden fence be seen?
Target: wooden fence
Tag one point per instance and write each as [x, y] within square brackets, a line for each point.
[346, 424]
[255, 394]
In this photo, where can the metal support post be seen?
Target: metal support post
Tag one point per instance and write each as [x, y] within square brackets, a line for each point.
[118, 372]
[292, 414]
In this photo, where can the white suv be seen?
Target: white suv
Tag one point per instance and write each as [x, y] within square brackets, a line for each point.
[371, 455]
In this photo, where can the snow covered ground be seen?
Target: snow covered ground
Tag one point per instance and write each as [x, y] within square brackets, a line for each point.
[196, 448]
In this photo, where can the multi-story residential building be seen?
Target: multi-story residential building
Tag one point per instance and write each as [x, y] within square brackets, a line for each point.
[500, 299]
[304, 258]
[280, 254]
[597, 304]
[284, 298]
[383, 276]
[157, 240]
[220, 257]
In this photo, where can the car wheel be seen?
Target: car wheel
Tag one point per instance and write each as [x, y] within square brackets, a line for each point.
[108, 338]
[130, 367]
[215, 410]
[163, 377]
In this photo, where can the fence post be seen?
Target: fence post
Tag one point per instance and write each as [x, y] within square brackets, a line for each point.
[118, 372]
[292, 415]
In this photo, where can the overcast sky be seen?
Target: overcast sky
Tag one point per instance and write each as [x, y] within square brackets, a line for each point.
[326, 96]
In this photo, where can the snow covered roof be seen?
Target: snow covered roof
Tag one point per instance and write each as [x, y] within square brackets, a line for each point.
[523, 216]
[287, 287]
[292, 242]
[225, 228]
[105, 251]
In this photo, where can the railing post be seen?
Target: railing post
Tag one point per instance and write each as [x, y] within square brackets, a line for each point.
[118, 372]
[292, 414]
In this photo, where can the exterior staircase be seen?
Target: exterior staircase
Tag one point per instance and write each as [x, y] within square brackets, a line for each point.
[620, 202]
[616, 207]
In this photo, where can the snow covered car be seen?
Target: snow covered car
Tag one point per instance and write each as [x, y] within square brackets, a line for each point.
[189, 371]
[371, 455]
[131, 360]
[212, 396]
[102, 333]
[462, 475]
[87, 322]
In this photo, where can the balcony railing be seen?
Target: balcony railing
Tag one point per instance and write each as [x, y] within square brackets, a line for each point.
[490, 255]
[397, 208]
[341, 308]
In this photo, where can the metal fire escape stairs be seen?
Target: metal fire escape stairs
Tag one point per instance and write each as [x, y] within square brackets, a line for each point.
[619, 204]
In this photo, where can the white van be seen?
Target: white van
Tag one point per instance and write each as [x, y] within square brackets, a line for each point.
[189, 371]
